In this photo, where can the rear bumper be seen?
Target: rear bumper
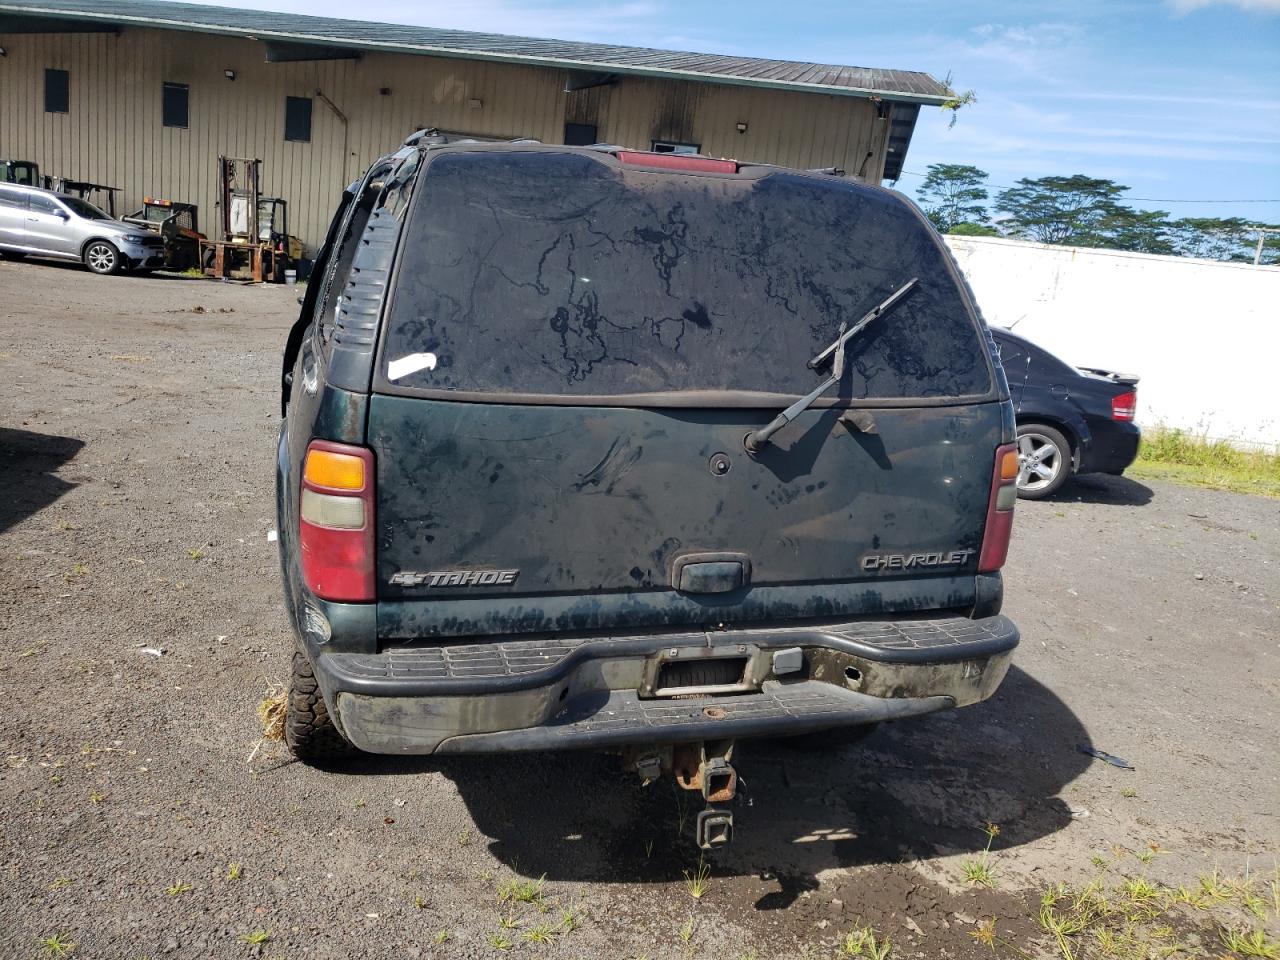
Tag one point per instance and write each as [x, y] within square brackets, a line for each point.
[1113, 447]
[566, 693]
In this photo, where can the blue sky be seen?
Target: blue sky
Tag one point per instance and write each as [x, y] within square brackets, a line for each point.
[1179, 99]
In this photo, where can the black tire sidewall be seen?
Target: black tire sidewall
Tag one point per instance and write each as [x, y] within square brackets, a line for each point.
[309, 731]
[1065, 454]
[115, 264]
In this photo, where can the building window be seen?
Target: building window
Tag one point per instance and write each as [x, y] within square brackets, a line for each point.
[297, 119]
[173, 104]
[57, 91]
[580, 134]
[668, 146]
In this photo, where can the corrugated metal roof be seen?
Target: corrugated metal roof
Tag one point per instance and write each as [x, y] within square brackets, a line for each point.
[903, 85]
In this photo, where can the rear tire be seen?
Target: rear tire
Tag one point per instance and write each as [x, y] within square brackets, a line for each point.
[1044, 460]
[102, 257]
[308, 729]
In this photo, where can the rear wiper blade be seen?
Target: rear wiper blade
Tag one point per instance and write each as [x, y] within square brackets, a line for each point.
[758, 438]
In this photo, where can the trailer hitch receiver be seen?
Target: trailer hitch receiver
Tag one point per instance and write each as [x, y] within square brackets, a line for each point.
[714, 828]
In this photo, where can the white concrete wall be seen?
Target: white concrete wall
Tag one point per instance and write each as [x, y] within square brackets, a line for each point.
[1204, 336]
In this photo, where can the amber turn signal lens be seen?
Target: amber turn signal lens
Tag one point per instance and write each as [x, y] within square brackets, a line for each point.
[337, 471]
[1009, 466]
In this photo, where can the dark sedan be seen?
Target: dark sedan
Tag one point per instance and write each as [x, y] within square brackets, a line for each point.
[1070, 419]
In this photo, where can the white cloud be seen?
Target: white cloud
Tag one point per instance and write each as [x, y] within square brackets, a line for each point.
[1251, 6]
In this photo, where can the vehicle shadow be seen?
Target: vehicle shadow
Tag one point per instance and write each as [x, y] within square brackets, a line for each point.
[1104, 489]
[76, 266]
[29, 463]
[912, 789]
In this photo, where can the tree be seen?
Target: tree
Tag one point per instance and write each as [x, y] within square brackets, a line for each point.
[952, 194]
[1071, 210]
[1143, 231]
[973, 230]
[1222, 238]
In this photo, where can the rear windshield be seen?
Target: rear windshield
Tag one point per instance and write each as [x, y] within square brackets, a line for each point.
[557, 274]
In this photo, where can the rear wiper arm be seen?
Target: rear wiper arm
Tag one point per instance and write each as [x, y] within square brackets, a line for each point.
[758, 438]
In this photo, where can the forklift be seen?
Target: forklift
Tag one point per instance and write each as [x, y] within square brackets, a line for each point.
[178, 225]
[253, 243]
[24, 172]
[99, 194]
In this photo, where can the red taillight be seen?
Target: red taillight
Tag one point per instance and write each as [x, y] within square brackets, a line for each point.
[1004, 494]
[678, 161]
[1125, 406]
[335, 526]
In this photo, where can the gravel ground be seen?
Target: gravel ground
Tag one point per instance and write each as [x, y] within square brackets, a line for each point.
[137, 451]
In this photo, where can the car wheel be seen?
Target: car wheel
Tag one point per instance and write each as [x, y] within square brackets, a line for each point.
[1044, 460]
[102, 257]
[308, 729]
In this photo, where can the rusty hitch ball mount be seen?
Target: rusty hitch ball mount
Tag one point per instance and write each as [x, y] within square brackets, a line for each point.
[702, 767]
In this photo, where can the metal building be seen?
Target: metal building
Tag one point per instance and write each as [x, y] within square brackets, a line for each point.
[146, 95]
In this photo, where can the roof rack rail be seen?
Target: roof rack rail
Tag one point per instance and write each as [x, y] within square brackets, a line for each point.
[426, 133]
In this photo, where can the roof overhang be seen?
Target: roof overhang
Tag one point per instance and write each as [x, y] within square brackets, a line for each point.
[16, 23]
[96, 20]
[902, 125]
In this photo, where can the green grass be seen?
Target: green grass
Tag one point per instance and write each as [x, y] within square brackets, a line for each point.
[542, 933]
[698, 882]
[500, 941]
[570, 918]
[56, 945]
[518, 890]
[1198, 461]
[978, 871]
[863, 942]
[1254, 943]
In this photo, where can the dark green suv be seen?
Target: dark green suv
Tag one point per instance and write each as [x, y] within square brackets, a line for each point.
[590, 448]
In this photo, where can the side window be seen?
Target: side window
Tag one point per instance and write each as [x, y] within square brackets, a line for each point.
[1008, 351]
[1047, 365]
[12, 199]
[174, 104]
[42, 204]
[57, 91]
[297, 119]
[339, 269]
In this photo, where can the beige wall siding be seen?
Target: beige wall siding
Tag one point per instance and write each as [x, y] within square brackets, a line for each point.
[113, 133]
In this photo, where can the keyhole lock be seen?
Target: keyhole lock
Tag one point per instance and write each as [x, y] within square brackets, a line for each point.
[720, 464]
